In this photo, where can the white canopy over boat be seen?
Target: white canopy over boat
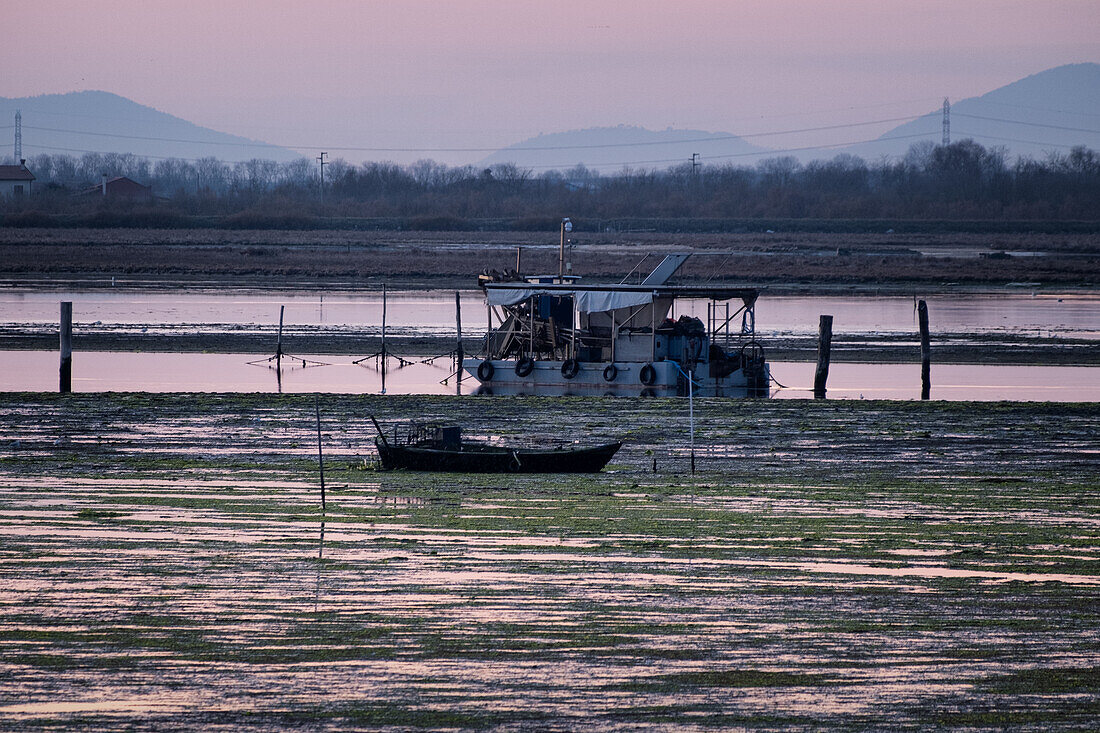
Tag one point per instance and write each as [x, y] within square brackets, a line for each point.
[586, 301]
[603, 298]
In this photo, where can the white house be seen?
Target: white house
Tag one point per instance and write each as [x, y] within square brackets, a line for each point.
[15, 180]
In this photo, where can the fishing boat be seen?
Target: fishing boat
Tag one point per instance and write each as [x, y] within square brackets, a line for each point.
[433, 447]
[557, 335]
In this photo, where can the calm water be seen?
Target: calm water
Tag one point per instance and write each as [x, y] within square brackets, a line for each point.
[1071, 315]
[433, 312]
[187, 372]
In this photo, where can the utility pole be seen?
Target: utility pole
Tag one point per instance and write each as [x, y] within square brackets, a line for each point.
[321, 158]
[18, 135]
[946, 121]
[695, 164]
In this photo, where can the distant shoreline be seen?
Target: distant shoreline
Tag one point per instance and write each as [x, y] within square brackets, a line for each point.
[324, 259]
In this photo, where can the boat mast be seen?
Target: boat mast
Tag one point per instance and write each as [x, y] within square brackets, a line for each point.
[566, 227]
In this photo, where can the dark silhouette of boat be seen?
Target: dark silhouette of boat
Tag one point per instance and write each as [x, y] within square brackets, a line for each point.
[431, 447]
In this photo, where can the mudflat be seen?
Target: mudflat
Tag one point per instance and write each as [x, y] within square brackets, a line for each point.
[791, 262]
[859, 565]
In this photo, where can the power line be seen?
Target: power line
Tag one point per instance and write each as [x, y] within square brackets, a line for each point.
[153, 139]
[761, 154]
[1037, 109]
[1016, 140]
[598, 166]
[849, 108]
[1029, 124]
[151, 157]
[713, 138]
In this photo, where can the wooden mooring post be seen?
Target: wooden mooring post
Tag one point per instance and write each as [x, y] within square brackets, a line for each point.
[925, 351]
[66, 381]
[824, 342]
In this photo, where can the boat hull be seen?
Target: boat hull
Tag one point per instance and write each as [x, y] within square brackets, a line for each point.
[665, 380]
[493, 459]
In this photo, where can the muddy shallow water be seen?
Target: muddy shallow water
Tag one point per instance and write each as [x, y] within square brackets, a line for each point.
[165, 563]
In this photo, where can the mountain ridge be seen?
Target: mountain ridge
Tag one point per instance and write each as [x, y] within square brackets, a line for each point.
[104, 122]
[982, 118]
[602, 146]
[1048, 111]
[1055, 105]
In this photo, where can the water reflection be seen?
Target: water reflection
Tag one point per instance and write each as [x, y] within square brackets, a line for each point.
[1063, 314]
[191, 372]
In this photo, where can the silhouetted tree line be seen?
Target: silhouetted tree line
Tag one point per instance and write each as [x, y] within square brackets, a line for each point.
[963, 180]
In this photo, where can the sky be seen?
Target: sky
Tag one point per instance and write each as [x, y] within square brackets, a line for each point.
[455, 79]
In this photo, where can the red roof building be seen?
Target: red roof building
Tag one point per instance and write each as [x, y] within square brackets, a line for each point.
[120, 188]
[15, 180]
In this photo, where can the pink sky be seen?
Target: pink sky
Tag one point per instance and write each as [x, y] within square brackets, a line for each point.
[487, 73]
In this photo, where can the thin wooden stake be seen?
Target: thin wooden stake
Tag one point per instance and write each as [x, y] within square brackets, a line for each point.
[320, 457]
[691, 416]
[279, 342]
[383, 323]
[459, 356]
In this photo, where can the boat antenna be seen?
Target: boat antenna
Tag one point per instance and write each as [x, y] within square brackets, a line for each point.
[566, 228]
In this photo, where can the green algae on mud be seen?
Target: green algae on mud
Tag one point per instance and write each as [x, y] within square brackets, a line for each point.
[830, 564]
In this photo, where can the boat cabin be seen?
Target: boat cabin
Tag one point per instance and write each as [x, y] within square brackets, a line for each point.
[559, 323]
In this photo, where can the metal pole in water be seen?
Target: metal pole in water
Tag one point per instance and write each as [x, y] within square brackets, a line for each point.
[320, 458]
[66, 373]
[458, 345]
[488, 327]
[574, 322]
[653, 330]
[824, 341]
[458, 330]
[691, 416]
[925, 351]
[383, 323]
[531, 324]
[279, 341]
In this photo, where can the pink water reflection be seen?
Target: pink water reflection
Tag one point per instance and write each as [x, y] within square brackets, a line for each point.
[1066, 314]
[37, 371]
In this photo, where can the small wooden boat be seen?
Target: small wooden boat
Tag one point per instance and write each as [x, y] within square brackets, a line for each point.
[441, 448]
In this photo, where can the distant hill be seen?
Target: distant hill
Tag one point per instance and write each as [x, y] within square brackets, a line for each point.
[615, 146]
[102, 122]
[1049, 111]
